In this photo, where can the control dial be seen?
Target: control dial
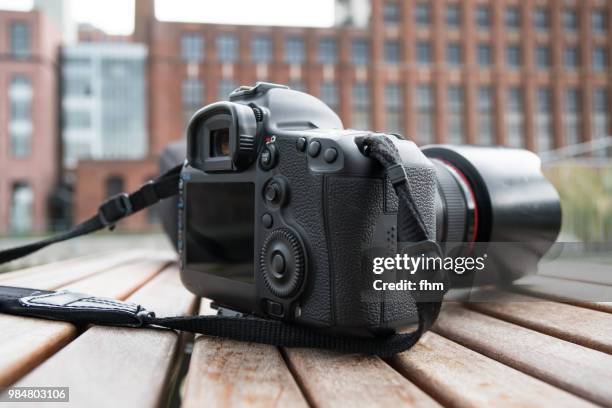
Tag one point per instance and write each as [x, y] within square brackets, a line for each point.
[282, 262]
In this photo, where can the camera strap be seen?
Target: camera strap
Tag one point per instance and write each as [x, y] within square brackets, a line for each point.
[85, 309]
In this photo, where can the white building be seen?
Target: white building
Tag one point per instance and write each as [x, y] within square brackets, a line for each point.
[104, 102]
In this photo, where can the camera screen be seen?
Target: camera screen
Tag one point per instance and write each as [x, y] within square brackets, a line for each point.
[220, 229]
[219, 142]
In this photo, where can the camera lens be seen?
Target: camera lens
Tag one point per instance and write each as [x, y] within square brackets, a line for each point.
[219, 142]
[496, 201]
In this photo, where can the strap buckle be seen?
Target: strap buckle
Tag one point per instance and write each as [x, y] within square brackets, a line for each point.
[397, 174]
[114, 209]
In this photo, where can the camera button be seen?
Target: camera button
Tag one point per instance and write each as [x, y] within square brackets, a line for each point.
[272, 192]
[314, 148]
[266, 220]
[274, 308]
[330, 155]
[301, 144]
[268, 157]
[278, 265]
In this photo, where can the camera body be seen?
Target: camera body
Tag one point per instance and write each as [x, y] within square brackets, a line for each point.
[280, 213]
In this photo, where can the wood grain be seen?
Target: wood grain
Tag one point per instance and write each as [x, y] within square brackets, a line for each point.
[226, 373]
[580, 370]
[331, 379]
[588, 295]
[590, 328]
[134, 365]
[460, 377]
[52, 276]
[26, 342]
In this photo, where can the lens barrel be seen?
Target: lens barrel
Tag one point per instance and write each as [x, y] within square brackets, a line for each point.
[496, 195]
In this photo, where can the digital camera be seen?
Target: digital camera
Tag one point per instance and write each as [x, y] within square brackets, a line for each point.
[280, 212]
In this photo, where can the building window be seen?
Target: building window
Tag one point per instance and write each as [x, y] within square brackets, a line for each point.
[425, 108]
[361, 106]
[360, 54]
[513, 18]
[483, 17]
[77, 119]
[600, 113]
[514, 118]
[77, 86]
[391, 13]
[226, 87]
[392, 52]
[423, 51]
[327, 51]
[114, 185]
[453, 54]
[261, 50]
[393, 107]
[570, 20]
[227, 48]
[422, 14]
[570, 58]
[600, 59]
[513, 56]
[20, 39]
[543, 122]
[294, 51]
[485, 116]
[192, 92]
[541, 20]
[455, 114]
[598, 22]
[329, 94]
[20, 121]
[22, 203]
[542, 57]
[453, 15]
[484, 55]
[571, 118]
[192, 47]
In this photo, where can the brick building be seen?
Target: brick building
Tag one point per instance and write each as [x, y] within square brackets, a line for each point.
[529, 73]
[29, 159]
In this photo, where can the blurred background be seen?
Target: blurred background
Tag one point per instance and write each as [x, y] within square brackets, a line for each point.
[92, 91]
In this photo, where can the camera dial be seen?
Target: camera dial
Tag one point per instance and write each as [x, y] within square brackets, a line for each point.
[282, 263]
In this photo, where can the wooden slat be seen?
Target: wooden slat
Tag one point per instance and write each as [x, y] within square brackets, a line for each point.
[26, 342]
[589, 295]
[53, 276]
[460, 377]
[579, 271]
[51, 265]
[580, 370]
[590, 328]
[226, 373]
[110, 366]
[331, 379]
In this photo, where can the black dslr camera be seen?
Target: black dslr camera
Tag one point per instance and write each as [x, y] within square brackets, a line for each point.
[280, 211]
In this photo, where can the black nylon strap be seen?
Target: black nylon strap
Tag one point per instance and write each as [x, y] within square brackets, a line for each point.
[86, 309]
[111, 211]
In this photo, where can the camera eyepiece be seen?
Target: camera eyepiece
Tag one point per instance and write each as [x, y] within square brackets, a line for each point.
[223, 137]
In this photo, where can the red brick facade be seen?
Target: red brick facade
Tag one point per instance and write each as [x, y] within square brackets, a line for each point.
[92, 186]
[37, 169]
[167, 70]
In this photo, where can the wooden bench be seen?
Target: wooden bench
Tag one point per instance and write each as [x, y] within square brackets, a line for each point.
[527, 352]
